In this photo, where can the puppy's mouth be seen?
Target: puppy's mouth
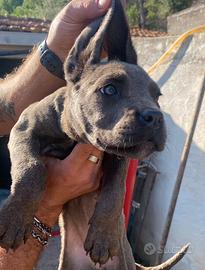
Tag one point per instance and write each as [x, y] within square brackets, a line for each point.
[138, 150]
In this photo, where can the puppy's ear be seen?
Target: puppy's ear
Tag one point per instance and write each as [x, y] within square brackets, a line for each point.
[119, 41]
[88, 46]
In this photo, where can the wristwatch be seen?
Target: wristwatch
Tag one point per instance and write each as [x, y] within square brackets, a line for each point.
[51, 61]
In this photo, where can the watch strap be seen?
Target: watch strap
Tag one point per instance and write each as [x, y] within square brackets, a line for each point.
[51, 61]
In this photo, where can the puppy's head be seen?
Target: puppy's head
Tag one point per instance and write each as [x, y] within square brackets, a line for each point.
[113, 103]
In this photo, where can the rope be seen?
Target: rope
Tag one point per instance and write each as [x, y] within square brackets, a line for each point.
[175, 45]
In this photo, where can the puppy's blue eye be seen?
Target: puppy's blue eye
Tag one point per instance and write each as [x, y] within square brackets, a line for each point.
[109, 90]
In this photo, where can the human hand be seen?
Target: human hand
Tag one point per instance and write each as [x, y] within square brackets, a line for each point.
[70, 21]
[68, 179]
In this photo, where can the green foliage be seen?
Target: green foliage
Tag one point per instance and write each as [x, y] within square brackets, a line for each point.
[7, 6]
[43, 9]
[177, 5]
[27, 9]
[133, 14]
[157, 12]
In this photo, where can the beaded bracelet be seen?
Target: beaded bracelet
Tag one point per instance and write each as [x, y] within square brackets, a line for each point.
[39, 238]
[41, 227]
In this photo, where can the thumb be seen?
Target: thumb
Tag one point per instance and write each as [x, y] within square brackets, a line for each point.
[81, 11]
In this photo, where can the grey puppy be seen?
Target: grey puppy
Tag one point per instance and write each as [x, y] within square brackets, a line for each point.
[112, 105]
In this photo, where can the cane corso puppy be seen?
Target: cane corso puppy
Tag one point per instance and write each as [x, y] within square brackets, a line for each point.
[111, 104]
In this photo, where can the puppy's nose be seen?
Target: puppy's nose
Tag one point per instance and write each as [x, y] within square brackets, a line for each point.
[151, 118]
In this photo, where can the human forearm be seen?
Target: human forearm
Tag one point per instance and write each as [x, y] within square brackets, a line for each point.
[30, 83]
[27, 255]
[23, 259]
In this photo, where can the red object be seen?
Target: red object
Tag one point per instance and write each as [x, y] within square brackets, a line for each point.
[130, 184]
[55, 233]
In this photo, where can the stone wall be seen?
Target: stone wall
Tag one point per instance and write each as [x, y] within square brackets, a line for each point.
[180, 79]
[187, 19]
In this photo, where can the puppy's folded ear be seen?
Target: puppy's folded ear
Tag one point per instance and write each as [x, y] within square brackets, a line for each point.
[88, 46]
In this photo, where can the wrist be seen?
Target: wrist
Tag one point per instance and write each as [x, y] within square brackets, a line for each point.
[57, 50]
[48, 215]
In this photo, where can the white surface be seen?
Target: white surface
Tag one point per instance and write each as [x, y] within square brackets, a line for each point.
[179, 100]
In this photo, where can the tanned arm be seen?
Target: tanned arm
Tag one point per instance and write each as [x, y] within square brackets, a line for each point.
[30, 83]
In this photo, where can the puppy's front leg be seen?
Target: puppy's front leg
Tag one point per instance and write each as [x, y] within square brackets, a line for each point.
[106, 224]
[37, 128]
[28, 174]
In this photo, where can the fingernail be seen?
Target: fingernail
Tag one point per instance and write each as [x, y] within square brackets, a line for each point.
[102, 3]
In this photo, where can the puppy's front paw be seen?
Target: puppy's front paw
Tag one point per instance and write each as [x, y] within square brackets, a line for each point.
[102, 242]
[15, 227]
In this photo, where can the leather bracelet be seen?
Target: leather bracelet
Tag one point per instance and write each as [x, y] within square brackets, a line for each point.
[51, 61]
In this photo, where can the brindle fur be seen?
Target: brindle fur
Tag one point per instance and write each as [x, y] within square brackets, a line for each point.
[79, 112]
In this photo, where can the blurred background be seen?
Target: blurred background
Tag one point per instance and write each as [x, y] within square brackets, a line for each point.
[150, 14]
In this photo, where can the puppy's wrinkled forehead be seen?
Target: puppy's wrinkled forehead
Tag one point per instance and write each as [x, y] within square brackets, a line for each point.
[132, 78]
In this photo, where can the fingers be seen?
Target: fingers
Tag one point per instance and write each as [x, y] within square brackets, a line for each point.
[91, 170]
[76, 166]
[80, 11]
[79, 158]
[83, 151]
[79, 155]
